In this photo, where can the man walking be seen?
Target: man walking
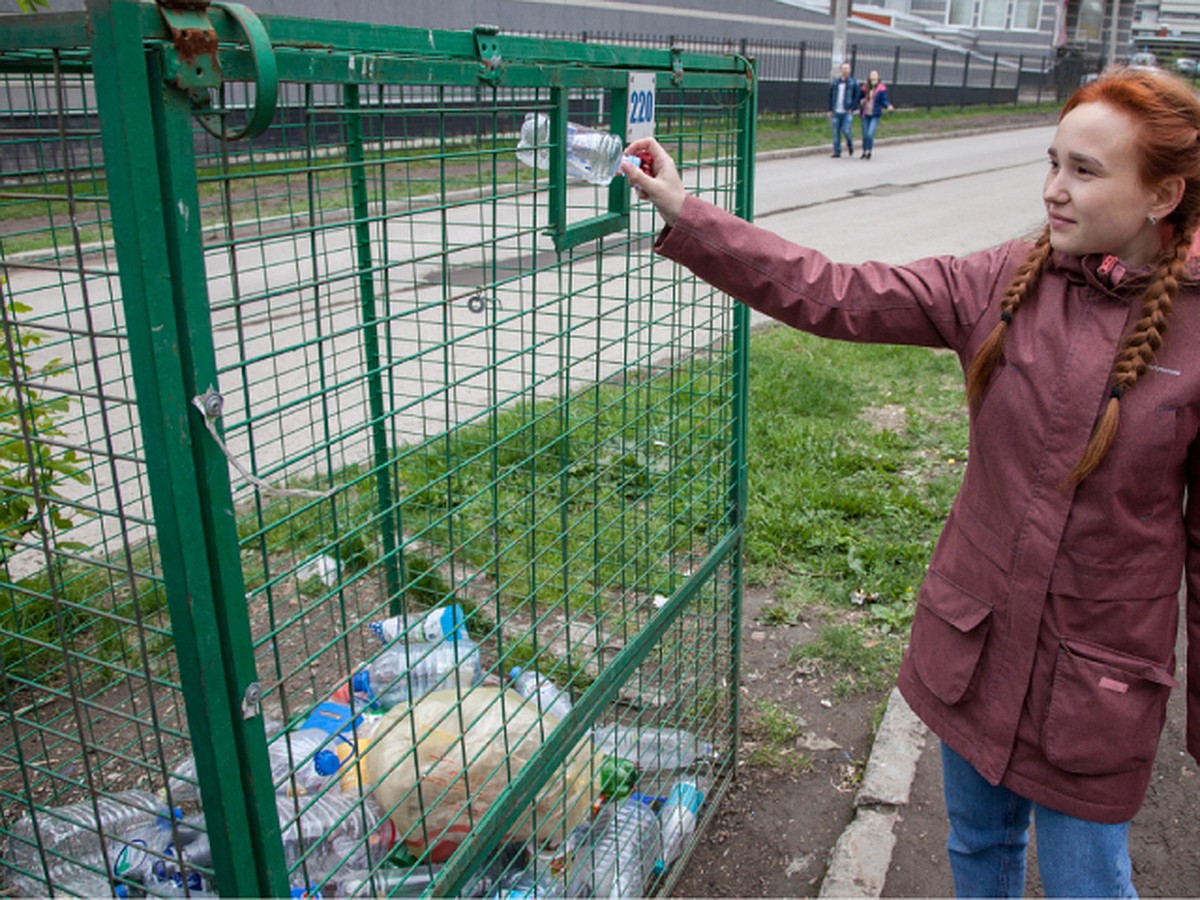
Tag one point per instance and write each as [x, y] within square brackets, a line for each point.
[844, 97]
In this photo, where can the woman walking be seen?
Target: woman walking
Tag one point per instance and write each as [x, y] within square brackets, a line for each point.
[874, 102]
[1042, 647]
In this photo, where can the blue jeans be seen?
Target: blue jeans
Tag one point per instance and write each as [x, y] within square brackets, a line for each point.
[841, 125]
[869, 124]
[989, 832]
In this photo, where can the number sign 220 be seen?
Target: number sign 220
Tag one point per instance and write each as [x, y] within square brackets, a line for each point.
[640, 120]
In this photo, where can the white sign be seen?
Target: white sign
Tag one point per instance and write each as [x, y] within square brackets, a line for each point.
[639, 117]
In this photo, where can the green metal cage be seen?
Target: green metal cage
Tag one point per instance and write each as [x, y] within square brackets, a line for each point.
[293, 343]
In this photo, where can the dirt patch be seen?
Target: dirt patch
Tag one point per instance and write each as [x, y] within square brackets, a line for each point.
[772, 834]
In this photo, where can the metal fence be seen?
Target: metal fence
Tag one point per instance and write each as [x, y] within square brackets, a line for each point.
[294, 343]
[794, 76]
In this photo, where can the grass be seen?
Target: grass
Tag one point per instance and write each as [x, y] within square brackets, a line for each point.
[840, 510]
[779, 131]
[773, 731]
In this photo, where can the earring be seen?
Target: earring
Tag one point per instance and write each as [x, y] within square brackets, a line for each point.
[1153, 219]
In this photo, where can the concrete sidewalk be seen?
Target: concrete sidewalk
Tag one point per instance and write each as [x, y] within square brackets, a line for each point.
[895, 845]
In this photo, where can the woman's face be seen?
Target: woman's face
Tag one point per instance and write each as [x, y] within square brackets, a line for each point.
[1094, 197]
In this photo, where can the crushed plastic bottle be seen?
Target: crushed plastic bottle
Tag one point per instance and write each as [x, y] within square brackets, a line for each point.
[333, 731]
[158, 856]
[677, 816]
[524, 884]
[621, 857]
[434, 625]
[74, 855]
[651, 749]
[551, 699]
[405, 671]
[183, 781]
[305, 758]
[592, 156]
[388, 881]
[334, 831]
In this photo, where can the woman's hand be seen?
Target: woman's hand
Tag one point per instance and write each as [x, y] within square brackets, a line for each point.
[663, 187]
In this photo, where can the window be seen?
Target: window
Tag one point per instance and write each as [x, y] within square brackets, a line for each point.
[1090, 24]
[961, 12]
[993, 13]
[1027, 15]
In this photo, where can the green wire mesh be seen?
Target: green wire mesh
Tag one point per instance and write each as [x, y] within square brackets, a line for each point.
[421, 404]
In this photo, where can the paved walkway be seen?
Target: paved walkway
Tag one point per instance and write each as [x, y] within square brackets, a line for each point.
[895, 845]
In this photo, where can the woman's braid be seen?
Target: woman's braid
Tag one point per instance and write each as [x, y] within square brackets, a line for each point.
[1139, 348]
[1024, 281]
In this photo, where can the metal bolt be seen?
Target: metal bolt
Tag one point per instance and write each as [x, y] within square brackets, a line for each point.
[212, 404]
[252, 700]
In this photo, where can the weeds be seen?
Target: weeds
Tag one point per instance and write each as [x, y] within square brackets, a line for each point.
[864, 659]
[773, 731]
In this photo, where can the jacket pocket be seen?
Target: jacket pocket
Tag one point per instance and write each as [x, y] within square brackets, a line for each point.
[1106, 710]
[949, 630]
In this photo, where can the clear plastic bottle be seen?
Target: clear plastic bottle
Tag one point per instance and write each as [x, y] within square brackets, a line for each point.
[434, 625]
[135, 860]
[72, 832]
[551, 699]
[523, 884]
[677, 816]
[388, 881]
[153, 859]
[173, 883]
[306, 758]
[183, 781]
[622, 855]
[650, 748]
[405, 671]
[342, 831]
[334, 732]
[592, 156]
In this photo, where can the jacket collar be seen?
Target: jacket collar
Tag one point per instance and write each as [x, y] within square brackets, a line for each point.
[1106, 274]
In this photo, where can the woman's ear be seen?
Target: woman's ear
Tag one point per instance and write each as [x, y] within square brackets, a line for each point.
[1167, 195]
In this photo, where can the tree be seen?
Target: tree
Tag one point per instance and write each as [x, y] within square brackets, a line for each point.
[31, 468]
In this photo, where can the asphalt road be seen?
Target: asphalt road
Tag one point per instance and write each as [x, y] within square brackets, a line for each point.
[915, 199]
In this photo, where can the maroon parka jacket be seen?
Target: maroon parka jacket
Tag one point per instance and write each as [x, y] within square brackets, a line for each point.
[1042, 649]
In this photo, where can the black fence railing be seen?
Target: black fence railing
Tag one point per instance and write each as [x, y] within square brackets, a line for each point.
[794, 75]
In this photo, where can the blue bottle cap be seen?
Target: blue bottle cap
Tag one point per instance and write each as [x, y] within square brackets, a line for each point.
[361, 682]
[514, 673]
[452, 620]
[326, 762]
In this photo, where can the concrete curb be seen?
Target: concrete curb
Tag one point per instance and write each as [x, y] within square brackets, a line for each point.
[860, 860]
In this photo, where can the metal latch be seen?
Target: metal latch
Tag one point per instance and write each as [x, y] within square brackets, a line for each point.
[677, 66]
[192, 64]
[488, 49]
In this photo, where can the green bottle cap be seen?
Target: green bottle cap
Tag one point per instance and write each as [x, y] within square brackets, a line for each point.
[617, 777]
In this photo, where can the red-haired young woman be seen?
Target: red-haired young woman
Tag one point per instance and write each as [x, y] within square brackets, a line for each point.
[1042, 648]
